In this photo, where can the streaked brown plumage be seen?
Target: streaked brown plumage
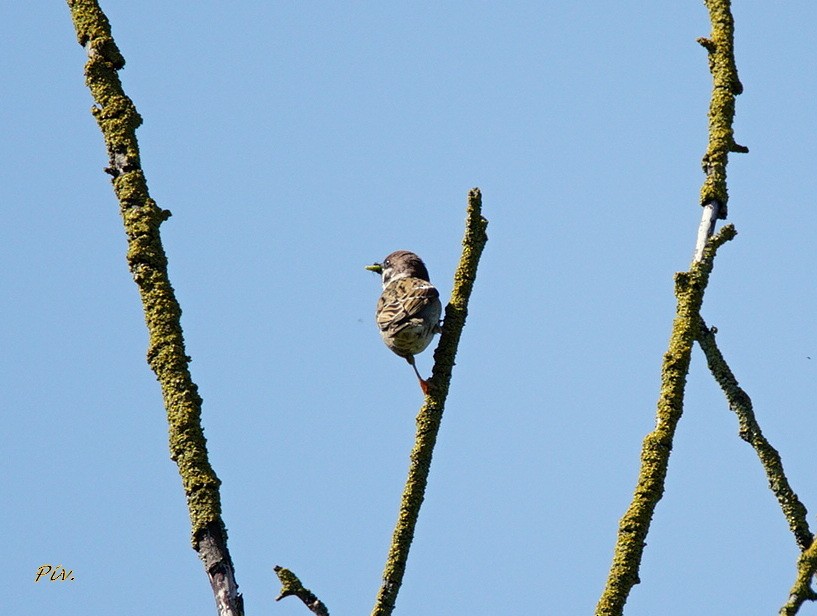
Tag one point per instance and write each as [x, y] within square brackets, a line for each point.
[408, 311]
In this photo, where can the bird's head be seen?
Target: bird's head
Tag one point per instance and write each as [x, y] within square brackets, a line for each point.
[400, 264]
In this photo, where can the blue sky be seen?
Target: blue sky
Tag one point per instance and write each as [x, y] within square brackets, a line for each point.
[296, 142]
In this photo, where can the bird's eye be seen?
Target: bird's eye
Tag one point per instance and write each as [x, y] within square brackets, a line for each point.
[386, 263]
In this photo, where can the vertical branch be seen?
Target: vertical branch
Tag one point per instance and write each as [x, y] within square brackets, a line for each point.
[431, 413]
[689, 291]
[655, 452]
[725, 87]
[118, 120]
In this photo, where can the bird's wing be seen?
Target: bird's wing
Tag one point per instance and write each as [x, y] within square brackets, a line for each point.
[404, 300]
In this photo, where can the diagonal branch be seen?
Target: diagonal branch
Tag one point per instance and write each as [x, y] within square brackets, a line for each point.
[655, 452]
[431, 413]
[750, 432]
[118, 119]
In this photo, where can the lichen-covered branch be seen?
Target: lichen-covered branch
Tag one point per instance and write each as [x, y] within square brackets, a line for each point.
[802, 590]
[655, 452]
[750, 432]
[291, 587]
[118, 120]
[689, 292]
[726, 86]
[430, 414]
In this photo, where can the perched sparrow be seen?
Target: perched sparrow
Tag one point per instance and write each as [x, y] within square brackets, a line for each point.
[408, 311]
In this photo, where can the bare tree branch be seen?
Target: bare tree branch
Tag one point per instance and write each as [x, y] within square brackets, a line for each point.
[291, 587]
[118, 119]
[431, 413]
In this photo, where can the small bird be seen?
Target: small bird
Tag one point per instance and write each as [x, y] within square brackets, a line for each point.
[408, 311]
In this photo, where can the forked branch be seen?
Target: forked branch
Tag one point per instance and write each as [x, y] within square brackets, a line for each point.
[689, 292]
[655, 452]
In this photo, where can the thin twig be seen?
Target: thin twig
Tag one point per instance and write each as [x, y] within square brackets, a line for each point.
[431, 413]
[118, 119]
[750, 432]
[291, 587]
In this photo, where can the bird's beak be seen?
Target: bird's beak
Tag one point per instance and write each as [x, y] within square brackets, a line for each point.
[377, 268]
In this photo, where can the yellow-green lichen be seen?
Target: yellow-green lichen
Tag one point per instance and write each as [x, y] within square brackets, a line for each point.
[118, 120]
[657, 445]
[802, 589]
[725, 87]
[430, 414]
[739, 401]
